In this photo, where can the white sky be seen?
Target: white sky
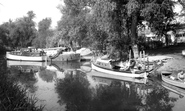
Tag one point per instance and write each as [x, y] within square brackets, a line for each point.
[12, 9]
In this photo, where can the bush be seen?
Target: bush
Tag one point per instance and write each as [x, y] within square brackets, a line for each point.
[153, 44]
[12, 96]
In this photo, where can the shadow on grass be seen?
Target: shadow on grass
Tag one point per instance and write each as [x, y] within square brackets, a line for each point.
[173, 49]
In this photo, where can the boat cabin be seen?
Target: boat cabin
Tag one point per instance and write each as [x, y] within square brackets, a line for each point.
[104, 63]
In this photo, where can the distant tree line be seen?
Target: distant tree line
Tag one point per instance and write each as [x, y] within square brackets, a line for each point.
[23, 33]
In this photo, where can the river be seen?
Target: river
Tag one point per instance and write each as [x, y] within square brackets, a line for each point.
[73, 86]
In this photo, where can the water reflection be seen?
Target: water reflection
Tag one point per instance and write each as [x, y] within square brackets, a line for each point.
[174, 89]
[159, 100]
[47, 75]
[64, 86]
[24, 75]
[75, 92]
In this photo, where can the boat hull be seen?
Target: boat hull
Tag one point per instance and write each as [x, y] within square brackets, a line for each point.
[60, 54]
[67, 56]
[10, 56]
[118, 73]
[174, 82]
[174, 89]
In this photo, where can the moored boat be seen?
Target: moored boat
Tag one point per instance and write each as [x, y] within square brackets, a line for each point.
[85, 53]
[105, 66]
[174, 89]
[62, 54]
[168, 78]
[27, 54]
[53, 51]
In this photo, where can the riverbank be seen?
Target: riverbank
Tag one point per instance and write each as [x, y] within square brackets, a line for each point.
[177, 63]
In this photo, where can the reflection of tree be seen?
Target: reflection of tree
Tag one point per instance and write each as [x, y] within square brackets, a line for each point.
[116, 97]
[25, 76]
[158, 99]
[74, 91]
[47, 75]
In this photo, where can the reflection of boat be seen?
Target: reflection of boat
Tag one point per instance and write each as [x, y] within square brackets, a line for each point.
[22, 63]
[174, 89]
[61, 66]
[27, 54]
[62, 54]
[106, 67]
[168, 78]
[26, 66]
[101, 75]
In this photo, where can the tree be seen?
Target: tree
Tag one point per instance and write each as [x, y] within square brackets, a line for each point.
[19, 33]
[44, 31]
[110, 18]
[113, 22]
[23, 31]
[4, 32]
[121, 18]
[73, 25]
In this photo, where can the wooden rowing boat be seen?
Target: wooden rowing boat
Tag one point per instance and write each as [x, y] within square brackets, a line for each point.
[168, 78]
[174, 89]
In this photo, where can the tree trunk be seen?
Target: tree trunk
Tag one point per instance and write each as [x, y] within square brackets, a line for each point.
[134, 32]
[134, 28]
[166, 39]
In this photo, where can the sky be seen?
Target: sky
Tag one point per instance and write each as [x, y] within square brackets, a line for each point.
[13, 9]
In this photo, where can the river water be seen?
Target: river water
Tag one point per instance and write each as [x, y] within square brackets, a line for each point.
[73, 86]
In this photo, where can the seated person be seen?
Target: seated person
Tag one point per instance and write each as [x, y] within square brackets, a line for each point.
[129, 64]
[140, 66]
[132, 63]
[181, 75]
[171, 77]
